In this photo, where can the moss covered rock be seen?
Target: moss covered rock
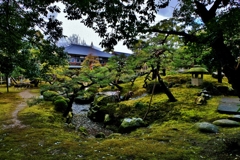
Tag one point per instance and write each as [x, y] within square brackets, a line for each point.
[130, 124]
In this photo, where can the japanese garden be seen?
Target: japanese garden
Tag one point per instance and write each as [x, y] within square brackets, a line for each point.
[175, 97]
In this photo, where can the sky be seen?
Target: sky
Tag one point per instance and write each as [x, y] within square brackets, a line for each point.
[89, 35]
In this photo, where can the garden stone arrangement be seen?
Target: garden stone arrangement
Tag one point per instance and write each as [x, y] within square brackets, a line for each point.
[81, 120]
[228, 105]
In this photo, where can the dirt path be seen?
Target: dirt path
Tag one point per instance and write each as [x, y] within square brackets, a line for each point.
[15, 122]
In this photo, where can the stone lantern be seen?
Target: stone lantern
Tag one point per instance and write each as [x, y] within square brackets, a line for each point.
[197, 75]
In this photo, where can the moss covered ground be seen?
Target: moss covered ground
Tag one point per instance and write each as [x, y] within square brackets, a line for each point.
[170, 134]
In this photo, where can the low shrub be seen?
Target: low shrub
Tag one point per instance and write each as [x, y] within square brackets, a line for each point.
[60, 105]
[49, 95]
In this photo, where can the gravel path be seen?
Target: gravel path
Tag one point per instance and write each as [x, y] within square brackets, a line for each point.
[15, 122]
[80, 119]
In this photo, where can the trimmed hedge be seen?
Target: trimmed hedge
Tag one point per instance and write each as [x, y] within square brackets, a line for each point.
[60, 105]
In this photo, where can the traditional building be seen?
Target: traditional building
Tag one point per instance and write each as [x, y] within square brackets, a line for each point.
[77, 54]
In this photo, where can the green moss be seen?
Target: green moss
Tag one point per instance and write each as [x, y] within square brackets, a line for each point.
[169, 136]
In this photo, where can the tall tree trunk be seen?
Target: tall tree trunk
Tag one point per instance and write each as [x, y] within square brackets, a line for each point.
[226, 59]
[230, 69]
[219, 74]
[166, 89]
[69, 107]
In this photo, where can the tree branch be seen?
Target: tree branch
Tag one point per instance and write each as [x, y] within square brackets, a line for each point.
[188, 37]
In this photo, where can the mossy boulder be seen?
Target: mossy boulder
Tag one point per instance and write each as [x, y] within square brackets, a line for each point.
[49, 95]
[130, 124]
[102, 104]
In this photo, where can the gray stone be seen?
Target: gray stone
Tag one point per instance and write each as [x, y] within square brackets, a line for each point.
[207, 127]
[226, 123]
[235, 117]
[229, 105]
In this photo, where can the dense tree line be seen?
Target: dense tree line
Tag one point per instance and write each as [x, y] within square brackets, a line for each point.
[213, 24]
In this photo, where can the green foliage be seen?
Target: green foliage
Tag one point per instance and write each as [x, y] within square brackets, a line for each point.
[60, 105]
[49, 95]
[22, 45]
[34, 101]
[90, 62]
[169, 136]
[83, 130]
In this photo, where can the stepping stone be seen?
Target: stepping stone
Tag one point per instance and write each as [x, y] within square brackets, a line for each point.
[229, 105]
[234, 117]
[226, 123]
[206, 127]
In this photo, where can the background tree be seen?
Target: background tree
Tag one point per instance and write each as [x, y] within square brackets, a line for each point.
[90, 62]
[157, 49]
[20, 22]
[127, 20]
[82, 83]
[76, 39]
[121, 69]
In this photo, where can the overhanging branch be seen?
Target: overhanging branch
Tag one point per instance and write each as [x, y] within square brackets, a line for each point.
[187, 36]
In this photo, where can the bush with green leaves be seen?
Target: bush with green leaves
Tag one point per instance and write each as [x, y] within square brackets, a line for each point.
[61, 97]
[60, 105]
[49, 95]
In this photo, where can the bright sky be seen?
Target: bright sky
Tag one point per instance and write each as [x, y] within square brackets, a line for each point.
[88, 34]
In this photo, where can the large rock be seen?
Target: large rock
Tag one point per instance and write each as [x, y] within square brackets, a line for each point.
[130, 124]
[229, 105]
[207, 127]
[226, 123]
[100, 106]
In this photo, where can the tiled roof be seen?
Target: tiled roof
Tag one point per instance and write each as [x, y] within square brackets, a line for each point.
[85, 50]
[119, 53]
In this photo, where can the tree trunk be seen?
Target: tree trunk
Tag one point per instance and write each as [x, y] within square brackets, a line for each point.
[228, 62]
[223, 54]
[219, 75]
[6, 78]
[117, 85]
[166, 89]
[69, 107]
